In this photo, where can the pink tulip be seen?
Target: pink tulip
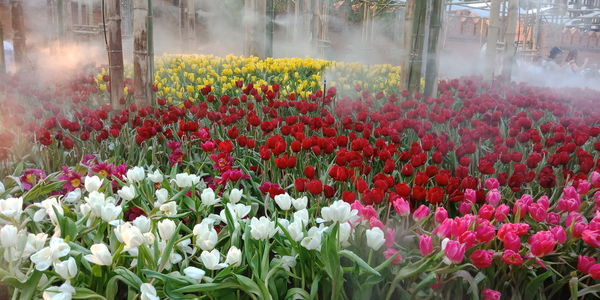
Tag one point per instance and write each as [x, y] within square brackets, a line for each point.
[491, 295]
[425, 244]
[465, 207]
[390, 237]
[583, 187]
[542, 243]
[559, 234]
[501, 213]
[441, 214]
[421, 213]
[584, 263]
[595, 177]
[493, 197]
[492, 183]
[401, 206]
[455, 251]
[390, 252]
[470, 195]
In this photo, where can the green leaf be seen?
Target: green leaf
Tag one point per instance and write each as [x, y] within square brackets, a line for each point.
[207, 287]
[30, 287]
[83, 293]
[249, 286]
[533, 287]
[129, 277]
[296, 294]
[589, 290]
[473, 285]
[314, 287]
[359, 261]
[164, 258]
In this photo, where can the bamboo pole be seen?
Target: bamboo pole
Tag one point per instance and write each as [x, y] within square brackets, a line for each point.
[141, 62]
[509, 40]
[2, 59]
[492, 40]
[18, 26]
[433, 48]
[115, 52]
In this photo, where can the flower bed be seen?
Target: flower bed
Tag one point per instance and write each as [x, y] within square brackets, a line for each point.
[260, 193]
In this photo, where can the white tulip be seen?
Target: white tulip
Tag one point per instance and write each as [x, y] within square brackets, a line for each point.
[66, 269]
[211, 260]
[148, 292]
[234, 257]
[149, 238]
[208, 197]
[8, 236]
[262, 229]
[11, 208]
[2, 189]
[100, 255]
[73, 196]
[185, 180]
[235, 195]
[96, 202]
[63, 292]
[288, 262]
[344, 232]
[162, 196]
[313, 240]
[284, 201]
[194, 273]
[169, 208]
[127, 193]
[47, 209]
[284, 223]
[143, 223]
[301, 215]
[206, 236]
[296, 230]
[92, 183]
[237, 212]
[166, 229]
[110, 212]
[51, 254]
[375, 238]
[136, 174]
[155, 177]
[35, 243]
[132, 238]
[300, 203]
[338, 211]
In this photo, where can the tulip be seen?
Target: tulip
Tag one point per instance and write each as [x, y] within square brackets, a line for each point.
[375, 238]
[542, 243]
[300, 203]
[127, 193]
[492, 183]
[234, 257]
[162, 196]
[166, 229]
[142, 223]
[262, 229]
[559, 234]
[235, 195]
[155, 177]
[211, 260]
[72, 196]
[208, 197]
[194, 273]
[63, 292]
[110, 212]
[584, 263]
[2, 189]
[401, 206]
[130, 235]
[391, 252]
[11, 207]
[470, 195]
[511, 257]
[47, 256]
[425, 244]
[284, 201]
[491, 295]
[135, 174]
[313, 240]
[185, 180]
[465, 207]
[296, 230]
[594, 271]
[92, 183]
[339, 211]
[169, 208]
[493, 197]
[66, 269]
[344, 232]
[8, 236]
[421, 213]
[206, 236]
[302, 215]
[482, 258]
[441, 214]
[100, 255]
[454, 251]
[148, 292]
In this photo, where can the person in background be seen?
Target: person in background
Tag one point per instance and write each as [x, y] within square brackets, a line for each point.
[552, 62]
[570, 63]
[8, 56]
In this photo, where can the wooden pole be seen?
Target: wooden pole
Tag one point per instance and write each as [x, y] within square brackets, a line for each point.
[407, 37]
[255, 27]
[18, 26]
[151, 47]
[190, 25]
[536, 27]
[509, 40]
[492, 40]
[297, 24]
[415, 39]
[270, 15]
[115, 52]
[2, 59]
[435, 32]
[141, 63]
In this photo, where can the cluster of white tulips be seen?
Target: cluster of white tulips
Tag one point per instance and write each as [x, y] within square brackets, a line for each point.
[65, 243]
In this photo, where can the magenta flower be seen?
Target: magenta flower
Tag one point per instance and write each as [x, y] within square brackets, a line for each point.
[425, 244]
[31, 177]
[72, 179]
[401, 206]
[421, 213]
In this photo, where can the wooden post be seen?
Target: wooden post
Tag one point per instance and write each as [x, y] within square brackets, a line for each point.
[141, 66]
[18, 26]
[492, 40]
[536, 27]
[254, 19]
[414, 38]
[190, 25]
[270, 15]
[115, 52]
[433, 48]
[2, 59]
[407, 37]
[151, 48]
[509, 40]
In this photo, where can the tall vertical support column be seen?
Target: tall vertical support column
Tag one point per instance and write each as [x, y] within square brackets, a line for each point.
[141, 63]
[115, 52]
